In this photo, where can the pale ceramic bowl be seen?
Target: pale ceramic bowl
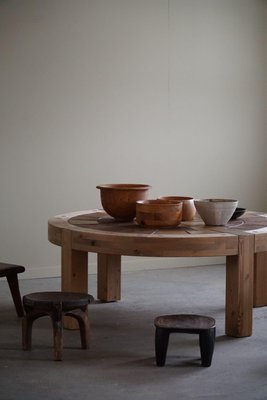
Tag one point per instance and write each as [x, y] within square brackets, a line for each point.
[119, 199]
[189, 209]
[215, 211]
[158, 213]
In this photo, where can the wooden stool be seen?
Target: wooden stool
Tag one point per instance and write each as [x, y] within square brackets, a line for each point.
[11, 271]
[185, 323]
[56, 305]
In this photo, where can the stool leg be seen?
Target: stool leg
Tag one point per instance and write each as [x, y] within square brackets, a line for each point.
[206, 343]
[56, 317]
[27, 333]
[84, 325]
[27, 323]
[13, 284]
[161, 345]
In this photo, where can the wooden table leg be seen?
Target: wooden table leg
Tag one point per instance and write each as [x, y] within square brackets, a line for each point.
[74, 272]
[109, 277]
[239, 289]
[260, 280]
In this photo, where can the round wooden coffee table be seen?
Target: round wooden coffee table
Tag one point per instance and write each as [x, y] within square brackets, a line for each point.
[242, 241]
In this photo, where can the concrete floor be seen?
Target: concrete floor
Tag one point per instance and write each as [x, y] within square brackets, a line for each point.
[120, 363]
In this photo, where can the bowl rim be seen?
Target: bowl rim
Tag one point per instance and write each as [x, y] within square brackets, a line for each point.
[215, 201]
[123, 186]
[179, 198]
[158, 202]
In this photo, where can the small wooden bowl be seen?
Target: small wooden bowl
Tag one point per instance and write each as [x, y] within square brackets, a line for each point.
[158, 213]
[119, 199]
[189, 209]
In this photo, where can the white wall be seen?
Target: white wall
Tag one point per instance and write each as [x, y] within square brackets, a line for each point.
[169, 93]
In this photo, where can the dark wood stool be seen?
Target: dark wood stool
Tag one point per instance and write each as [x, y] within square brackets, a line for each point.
[56, 305]
[185, 323]
[11, 271]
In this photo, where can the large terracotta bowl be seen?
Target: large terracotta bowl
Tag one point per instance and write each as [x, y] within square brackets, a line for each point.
[158, 213]
[189, 209]
[119, 199]
[215, 211]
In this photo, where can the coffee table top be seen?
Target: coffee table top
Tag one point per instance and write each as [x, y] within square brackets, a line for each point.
[95, 231]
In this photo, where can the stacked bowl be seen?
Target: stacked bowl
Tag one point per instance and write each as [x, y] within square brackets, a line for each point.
[159, 213]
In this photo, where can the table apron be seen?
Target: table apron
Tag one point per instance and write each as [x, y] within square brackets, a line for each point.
[157, 247]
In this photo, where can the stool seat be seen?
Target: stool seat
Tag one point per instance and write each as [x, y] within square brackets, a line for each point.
[6, 269]
[68, 300]
[56, 305]
[202, 325]
[185, 322]
[11, 271]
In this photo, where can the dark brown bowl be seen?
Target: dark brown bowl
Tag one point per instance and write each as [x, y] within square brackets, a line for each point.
[239, 211]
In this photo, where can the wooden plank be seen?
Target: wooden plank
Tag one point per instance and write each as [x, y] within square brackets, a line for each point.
[239, 289]
[260, 280]
[109, 277]
[74, 272]
[157, 245]
[260, 242]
